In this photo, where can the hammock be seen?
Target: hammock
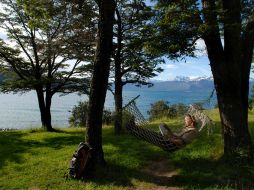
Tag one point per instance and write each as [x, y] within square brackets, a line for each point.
[136, 126]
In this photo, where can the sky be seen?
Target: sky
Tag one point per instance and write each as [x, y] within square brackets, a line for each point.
[190, 67]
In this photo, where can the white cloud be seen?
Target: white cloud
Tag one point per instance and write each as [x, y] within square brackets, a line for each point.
[169, 66]
[200, 48]
[193, 77]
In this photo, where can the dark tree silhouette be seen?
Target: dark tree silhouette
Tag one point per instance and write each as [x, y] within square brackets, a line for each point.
[132, 64]
[100, 79]
[45, 37]
[177, 26]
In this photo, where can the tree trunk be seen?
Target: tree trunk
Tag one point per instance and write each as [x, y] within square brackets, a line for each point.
[45, 113]
[118, 77]
[118, 105]
[233, 118]
[100, 80]
[231, 76]
[48, 111]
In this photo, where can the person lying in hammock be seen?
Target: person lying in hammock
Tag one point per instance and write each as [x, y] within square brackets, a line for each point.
[187, 134]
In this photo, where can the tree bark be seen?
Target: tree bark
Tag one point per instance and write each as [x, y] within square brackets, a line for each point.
[44, 110]
[100, 80]
[48, 110]
[118, 77]
[118, 105]
[231, 75]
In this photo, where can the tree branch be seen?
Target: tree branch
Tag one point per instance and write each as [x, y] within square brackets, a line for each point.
[16, 37]
[212, 35]
[60, 85]
[11, 62]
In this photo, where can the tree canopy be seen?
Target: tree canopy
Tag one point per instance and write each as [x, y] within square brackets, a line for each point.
[49, 48]
[227, 29]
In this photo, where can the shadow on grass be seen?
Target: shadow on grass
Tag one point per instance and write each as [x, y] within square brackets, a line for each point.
[126, 156]
[207, 174]
[13, 144]
[196, 171]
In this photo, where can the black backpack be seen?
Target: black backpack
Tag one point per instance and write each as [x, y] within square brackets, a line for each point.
[80, 160]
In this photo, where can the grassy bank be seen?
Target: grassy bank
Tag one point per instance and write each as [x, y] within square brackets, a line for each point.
[35, 159]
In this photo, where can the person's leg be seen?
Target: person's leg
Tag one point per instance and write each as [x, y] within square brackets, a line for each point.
[166, 131]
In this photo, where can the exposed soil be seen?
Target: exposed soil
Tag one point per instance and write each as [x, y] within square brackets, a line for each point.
[163, 171]
[160, 168]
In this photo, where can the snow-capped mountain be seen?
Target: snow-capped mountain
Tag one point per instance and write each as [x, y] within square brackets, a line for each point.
[197, 78]
[180, 83]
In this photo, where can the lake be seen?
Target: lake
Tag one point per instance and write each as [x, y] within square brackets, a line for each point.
[22, 111]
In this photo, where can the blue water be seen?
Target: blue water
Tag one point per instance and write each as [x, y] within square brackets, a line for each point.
[22, 111]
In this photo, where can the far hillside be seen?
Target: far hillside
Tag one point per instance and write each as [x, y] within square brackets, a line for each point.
[181, 84]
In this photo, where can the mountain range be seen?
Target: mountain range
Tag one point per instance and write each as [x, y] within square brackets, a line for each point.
[178, 84]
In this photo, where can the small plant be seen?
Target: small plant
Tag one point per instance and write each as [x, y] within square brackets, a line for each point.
[127, 120]
[107, 117]
[162, 109]
[79, 115]
[158, 109]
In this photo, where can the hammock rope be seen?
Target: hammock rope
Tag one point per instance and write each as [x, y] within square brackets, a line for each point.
[137, 126]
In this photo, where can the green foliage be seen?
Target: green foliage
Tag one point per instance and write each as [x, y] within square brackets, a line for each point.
[107, 117]
[79, 113]
[161, 109]
[177, 25]
[175, 28]
[251, 98]
[50, 41]
[127, 119]
[137, 66]
[158, 109]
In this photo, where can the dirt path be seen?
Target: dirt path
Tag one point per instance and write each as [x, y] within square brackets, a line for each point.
[162, 171]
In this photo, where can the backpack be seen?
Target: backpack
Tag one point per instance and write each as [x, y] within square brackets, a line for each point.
[79, 160]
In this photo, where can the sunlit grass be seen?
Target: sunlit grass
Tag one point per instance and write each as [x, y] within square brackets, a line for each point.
[35, 159]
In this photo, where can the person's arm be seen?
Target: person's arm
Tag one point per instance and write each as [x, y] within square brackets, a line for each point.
[177, 141]
[189, 136]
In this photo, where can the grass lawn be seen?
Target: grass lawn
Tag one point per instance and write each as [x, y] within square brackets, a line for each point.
[35, 159]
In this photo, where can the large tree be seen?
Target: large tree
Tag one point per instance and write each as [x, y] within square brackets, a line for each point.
[227, 28]
[46, 46]
[100, 76]
[132, 65]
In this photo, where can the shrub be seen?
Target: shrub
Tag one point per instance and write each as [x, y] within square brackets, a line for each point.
[127, 119]
[161, 109]
[199, 105]
[108, 117]
[79, 115]
[181, 109]
[158, 109]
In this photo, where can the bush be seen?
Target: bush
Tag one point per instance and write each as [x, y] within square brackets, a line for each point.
[108, 117]
[162, 109]
[158, 109]
[181, 109]
[79, 115]
[199, 105]
[127, 119]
